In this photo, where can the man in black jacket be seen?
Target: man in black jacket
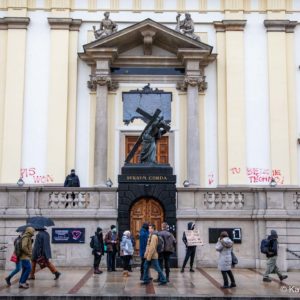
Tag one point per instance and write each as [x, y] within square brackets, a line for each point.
[190, 250]
[272, 257]
[98, 249]
[72, 180]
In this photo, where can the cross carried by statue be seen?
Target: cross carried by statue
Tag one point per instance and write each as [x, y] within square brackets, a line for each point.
[155, 128]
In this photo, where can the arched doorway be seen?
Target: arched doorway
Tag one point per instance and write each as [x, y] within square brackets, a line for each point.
[145, 210]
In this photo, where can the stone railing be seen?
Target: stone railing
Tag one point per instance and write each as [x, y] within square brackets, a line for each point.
[69, 200]
[222, 200]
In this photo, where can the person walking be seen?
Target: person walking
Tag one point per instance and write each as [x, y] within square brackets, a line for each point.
[224, 247]
[151, 256]
[42, 251]
[112, 244]
[98, 249]
[190, 250]
[272, 258]
[126, 251]
[18, 265]
[25, 256]
[144, 234]
[72, 180]
[169, 248]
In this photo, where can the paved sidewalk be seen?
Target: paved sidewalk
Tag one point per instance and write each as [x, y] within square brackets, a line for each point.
[204, 283]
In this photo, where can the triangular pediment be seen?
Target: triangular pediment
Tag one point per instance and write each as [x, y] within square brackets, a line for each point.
[133, 36]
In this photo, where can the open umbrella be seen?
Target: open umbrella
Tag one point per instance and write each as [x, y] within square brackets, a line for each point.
[23, 227]
[40, 221]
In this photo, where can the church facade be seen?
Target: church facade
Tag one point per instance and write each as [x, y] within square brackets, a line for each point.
[230, 92]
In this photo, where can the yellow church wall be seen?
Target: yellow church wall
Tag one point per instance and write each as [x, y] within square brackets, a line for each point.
[92, 128]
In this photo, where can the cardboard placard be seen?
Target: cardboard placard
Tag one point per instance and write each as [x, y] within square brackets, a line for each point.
[193, 238]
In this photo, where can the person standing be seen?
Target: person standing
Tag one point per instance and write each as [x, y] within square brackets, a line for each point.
[72, 180]
[144, 234]
[190, 250]
[169, 248]
[42, 248]
[25, 256]
[272, 258]
[18, 266]
[151, 256]
[127, 251]
[112, 243]
[224, 247]
[98, 249]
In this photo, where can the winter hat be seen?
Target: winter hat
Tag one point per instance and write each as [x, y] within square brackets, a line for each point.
[146, 226]
[274, 234]
[112, 227]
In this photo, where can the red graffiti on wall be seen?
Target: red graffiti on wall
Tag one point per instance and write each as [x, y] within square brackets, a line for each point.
[31, 173]
[258, 175]
[211, 179]
[235, 170]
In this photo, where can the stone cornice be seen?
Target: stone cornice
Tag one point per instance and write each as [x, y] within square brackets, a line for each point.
[280, 25]
[14, 23]
[64, 24]
[230, 25]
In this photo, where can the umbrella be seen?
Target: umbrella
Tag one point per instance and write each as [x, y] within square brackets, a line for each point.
[40, 221]
[23, 227]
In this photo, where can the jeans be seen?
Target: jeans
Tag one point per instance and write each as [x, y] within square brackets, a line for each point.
[190, 253]
[26, 268]
[16, 270]
[164, 259]
[224, 274]
[272, 267]
[111, 261]
[154, 263]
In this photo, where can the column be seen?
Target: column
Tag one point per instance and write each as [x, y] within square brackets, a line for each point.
[12, 97]
[282, 100]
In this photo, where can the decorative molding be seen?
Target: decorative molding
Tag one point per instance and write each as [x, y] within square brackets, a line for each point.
[280, 25]
[148, 41]
[75, 25]
[102, 80]
[65, 24]
[14, 23]
[224, 200]
[230, 25]
[193, 81]
[297, 200]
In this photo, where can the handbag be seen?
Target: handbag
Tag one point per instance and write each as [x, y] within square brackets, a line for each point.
[14, 258]
[234, 259]
[42, 261]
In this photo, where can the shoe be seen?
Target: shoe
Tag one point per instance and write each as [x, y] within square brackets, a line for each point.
[225, 287]
[191, 270]
[162, 283]
[57, 274]
[7, 279]
[156, 280]
[23, 286]
[282, 277]
[97, 272]
[31, 278]
[267, 279]
[182, 271]
[145, 282]
[233, 285]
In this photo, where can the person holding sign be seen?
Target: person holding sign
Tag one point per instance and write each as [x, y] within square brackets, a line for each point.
[190, 250]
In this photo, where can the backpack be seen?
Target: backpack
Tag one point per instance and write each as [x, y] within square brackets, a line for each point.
[161, 244]
[264, 246]
[92, 242]
[169, 243]
[18, 246]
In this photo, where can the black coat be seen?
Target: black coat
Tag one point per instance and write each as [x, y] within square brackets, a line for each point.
[273, 247]
[98, 244]
[72, 181]
[41, 245]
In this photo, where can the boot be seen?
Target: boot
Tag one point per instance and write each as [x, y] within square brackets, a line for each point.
[282, 277]
[182, 270]
[7, 279]
[97, 271]
[125, 274]
[57, 274]
[267, 279]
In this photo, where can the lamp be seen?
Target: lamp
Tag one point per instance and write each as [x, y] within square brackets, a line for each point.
[273, 182]
[20, 182]
[109, 183]
[186, 183]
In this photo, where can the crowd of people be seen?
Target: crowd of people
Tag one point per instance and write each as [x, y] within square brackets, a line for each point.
[155, 250]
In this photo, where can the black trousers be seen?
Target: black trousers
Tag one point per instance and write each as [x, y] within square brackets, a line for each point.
[225, 278]
[97, 260]
[190, 253]
[142, 265]
[126, 260]
[164, 260]
[111, 260]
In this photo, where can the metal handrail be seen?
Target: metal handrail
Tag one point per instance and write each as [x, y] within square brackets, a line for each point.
[293, 252]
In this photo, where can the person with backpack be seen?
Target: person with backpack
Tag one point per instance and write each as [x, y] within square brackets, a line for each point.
[18, 266]
[23, 250]
[151, 257]
[126, 251]
[190, 250]
[112, 243]
[269, 247]
[42, 253]
[168, 249]
[97, 245]
[224, 247]
[144, 234]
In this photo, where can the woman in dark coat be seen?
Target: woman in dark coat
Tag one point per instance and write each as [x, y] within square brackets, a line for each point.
[42, 248]
[98, 249]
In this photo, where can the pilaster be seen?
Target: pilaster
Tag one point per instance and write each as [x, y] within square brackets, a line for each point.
[12, 92]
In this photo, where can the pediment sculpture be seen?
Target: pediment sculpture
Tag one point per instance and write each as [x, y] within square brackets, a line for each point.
[107, 27]
[186, 26]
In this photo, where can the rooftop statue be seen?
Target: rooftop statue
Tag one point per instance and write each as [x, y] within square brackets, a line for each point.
[186, 26]
[107, 27]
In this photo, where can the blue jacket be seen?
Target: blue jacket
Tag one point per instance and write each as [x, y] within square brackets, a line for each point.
[144, 234]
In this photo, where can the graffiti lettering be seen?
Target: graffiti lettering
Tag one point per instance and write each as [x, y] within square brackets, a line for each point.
[32, 176]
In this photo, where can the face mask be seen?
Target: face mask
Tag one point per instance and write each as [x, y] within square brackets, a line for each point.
[114, 230]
